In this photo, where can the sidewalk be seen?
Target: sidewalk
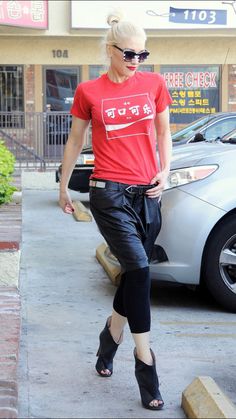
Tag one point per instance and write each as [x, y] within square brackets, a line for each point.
[66, 297]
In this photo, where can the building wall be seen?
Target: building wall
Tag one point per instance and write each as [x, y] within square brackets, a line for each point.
[88, 50]
[60, 45]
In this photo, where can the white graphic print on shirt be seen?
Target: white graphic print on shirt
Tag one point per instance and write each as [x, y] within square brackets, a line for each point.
[127, 116]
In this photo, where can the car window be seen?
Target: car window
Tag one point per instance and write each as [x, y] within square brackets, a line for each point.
[190, 130]
[219, 129]
[230, 137]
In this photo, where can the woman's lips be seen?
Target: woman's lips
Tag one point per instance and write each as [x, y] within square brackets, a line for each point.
[131, 68]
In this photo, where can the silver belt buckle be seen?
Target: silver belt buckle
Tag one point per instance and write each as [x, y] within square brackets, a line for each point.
[100, 184]
[97, 184]
[129, 188]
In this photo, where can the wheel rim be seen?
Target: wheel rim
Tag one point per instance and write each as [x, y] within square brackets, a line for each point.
[227, 263]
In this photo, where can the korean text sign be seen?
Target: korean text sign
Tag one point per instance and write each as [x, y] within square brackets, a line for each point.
[27, 14]
[194, 91]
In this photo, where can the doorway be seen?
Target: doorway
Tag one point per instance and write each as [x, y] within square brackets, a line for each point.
[59, 87]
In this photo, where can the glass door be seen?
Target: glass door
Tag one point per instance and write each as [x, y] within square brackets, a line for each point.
[59, 88]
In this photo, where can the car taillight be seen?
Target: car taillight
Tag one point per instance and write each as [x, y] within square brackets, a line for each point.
[89, 159]
[179, 177]
[86, 159]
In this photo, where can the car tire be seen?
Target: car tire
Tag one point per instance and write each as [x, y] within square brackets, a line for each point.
[219, 263]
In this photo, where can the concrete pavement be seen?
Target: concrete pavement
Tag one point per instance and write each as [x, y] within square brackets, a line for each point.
[66, 297]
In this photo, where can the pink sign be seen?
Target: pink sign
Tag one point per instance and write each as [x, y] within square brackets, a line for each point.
[27, 14]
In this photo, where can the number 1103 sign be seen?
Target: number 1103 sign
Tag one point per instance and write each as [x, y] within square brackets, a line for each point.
[198, 16]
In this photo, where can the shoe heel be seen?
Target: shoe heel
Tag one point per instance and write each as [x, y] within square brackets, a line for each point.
[148, 383]
[106, 351]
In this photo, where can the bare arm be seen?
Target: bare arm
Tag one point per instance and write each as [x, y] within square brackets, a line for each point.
[73, 148]
[165, 150]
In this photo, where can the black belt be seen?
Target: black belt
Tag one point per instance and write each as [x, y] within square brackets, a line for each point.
[116, 186]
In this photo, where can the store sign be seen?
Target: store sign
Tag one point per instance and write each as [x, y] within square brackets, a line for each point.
[157, 14]
[26, 14]
[194, 91]
[198, 16]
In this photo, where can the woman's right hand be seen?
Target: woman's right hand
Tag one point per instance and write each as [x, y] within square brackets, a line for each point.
[65, 202]
[72, 150]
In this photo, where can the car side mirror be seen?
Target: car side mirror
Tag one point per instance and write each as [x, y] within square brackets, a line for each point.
[198, 137]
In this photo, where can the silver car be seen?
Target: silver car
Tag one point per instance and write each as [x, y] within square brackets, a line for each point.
[197, 242]
[207, 128]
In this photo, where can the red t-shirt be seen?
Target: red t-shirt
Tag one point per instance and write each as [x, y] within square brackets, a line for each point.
[123, 133]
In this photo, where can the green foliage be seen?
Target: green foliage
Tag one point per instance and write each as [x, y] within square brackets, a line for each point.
[7, 161]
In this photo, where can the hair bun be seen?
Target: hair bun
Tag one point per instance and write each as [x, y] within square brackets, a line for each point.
[114, 17]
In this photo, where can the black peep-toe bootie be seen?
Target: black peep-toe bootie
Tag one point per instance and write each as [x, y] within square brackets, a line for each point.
[107, 350]
[148, 383]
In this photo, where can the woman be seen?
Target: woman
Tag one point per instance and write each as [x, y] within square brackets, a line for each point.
[128, 110]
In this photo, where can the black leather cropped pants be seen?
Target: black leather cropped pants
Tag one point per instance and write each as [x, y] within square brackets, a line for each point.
[130, 223]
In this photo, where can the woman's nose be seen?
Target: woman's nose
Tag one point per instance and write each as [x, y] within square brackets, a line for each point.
[136, 59]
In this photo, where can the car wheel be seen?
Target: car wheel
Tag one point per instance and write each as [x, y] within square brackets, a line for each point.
[219, 264]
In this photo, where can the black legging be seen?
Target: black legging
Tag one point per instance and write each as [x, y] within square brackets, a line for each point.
[132, 299]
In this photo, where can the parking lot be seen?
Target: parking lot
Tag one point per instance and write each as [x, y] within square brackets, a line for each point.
[66, 297]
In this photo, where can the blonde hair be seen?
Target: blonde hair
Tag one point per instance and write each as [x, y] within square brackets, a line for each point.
[121, 29]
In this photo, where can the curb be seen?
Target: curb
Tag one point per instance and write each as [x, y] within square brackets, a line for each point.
[10, 324]
[10, 304]
[10, 240]
[31, 179]
[10, 265]
[110, 265]
[81, 213]
[204, 399]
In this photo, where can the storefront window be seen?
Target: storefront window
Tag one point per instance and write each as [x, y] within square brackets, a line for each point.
[232, 88]
[146, 67]
[11, 96]
[96, 71]
[194, 91]
[60, 88]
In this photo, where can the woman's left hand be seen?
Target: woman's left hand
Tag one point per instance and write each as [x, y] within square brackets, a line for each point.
[160, 180]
